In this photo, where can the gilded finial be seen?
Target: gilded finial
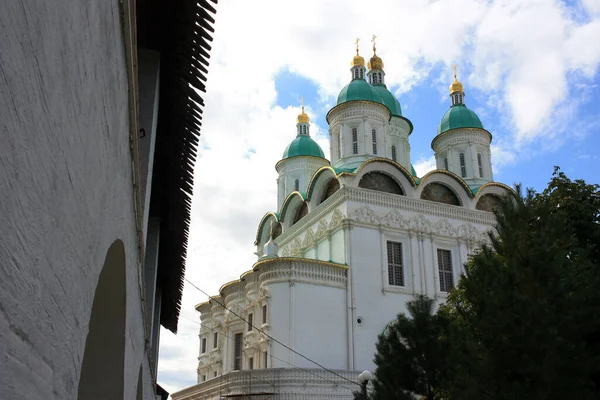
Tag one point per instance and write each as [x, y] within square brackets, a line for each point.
[303, 117]
[373, 41]
[356, 42]
[456, 86]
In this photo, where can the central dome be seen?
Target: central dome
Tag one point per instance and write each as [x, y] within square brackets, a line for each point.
[360, 89]
[303, 145]
[459, 116]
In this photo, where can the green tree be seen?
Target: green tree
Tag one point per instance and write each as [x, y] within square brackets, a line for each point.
[524, 320]
[410, 356]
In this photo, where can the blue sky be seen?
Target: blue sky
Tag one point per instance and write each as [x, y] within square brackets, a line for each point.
[530, 70]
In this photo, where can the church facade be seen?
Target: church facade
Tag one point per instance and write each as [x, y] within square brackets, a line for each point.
[354, 238]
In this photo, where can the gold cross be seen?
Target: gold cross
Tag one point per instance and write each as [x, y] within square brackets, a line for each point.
[356, 42]
[302, 103]
[373, 41]
[454, 69]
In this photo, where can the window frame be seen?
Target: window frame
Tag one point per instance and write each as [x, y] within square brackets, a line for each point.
[215, 340]
[354, 141]
[238, 355]
[463, 165]
[250, 321]
[264, 314]
[394, 153]
[480, 164]
[407, 259]
[439, 272]
[203, 346]
[374, 138]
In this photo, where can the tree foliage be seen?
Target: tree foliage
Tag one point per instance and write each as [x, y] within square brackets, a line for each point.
[409, 356]
[524, 320]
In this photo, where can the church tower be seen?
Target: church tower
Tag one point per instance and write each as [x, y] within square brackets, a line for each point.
[300, 160]
[462, 145]
[367, 120]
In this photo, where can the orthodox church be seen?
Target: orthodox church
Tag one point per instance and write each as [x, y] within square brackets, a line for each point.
[354, 237]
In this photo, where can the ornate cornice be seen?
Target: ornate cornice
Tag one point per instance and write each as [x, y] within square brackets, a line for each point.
[459, 131]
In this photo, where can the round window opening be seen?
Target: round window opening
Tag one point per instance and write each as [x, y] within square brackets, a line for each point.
[359, 320]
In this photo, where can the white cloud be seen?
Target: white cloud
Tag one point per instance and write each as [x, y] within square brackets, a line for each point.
[424, 165]
[520, 54]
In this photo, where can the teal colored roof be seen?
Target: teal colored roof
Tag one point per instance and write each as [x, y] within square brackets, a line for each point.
[359, 89]
[389, 100]
[459, 116]
[412, 171]
[303, 145]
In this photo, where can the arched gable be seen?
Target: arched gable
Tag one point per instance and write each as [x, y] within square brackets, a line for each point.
[264, 227]
[390, 168]
[318, 180]
[290, 208]
[452, 181]
[489, 195]
[380, 181]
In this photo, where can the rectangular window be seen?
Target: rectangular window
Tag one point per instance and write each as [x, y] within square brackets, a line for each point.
[203, 378]
[203, 345]
[215, 374]
[374, 134]
[480, 164]
[265, 359]
[394, 153]
[264, 321]
[250, 322]
[354, 141]
[446, 164]
[297, 185]
[395, 267]
[237, 352]
[251, 363]
[445, 269]
[463, 167]
[215, 340]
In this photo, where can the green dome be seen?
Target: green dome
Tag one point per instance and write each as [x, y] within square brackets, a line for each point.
[359, 89]
[389, 100]
[303, 145]
[459, 116]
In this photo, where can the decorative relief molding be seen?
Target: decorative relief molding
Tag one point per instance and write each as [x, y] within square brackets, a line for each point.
[304, 272]
[324, 228]
[359, 110]
[421, 225]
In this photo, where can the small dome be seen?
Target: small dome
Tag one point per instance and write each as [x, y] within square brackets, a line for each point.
[456, 86]
[459, 116]
[303, 145]
[359, 89]
[389, 100]
[375, 62]
[303, 117]
[358, 61]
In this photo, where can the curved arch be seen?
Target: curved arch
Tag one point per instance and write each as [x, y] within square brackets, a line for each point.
[323, 173]
[261, 232]
[450, 179]
[290, 208]
[102, 370]
[496, 188]
[441, 193]
[489, 202]
[369, 166]
[301, 213]
[332, 186]
[380, 181]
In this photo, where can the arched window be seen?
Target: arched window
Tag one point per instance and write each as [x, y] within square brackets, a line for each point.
[381, 182]
[297, 185]
[360, 72]
[394, 153]
[463, 166]
[446, 163]
[356, 73]
[374, 135]
[304, 129]
[380, 79]
[354, 141]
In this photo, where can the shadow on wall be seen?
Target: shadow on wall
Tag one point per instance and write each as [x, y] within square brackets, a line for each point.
[102, 371]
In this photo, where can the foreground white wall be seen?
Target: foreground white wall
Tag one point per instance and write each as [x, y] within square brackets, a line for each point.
[65, 192]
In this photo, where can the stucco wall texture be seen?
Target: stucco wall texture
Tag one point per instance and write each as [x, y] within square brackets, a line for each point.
[65, 192]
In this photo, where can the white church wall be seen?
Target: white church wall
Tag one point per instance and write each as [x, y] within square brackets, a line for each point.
[320, 325]
[281, 323]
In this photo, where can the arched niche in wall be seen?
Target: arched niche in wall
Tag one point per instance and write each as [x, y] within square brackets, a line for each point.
[102, 370]
[488, 202]
[440, 193]
[277, 229]
[302, 211]
[332, 186]
[381, 182]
